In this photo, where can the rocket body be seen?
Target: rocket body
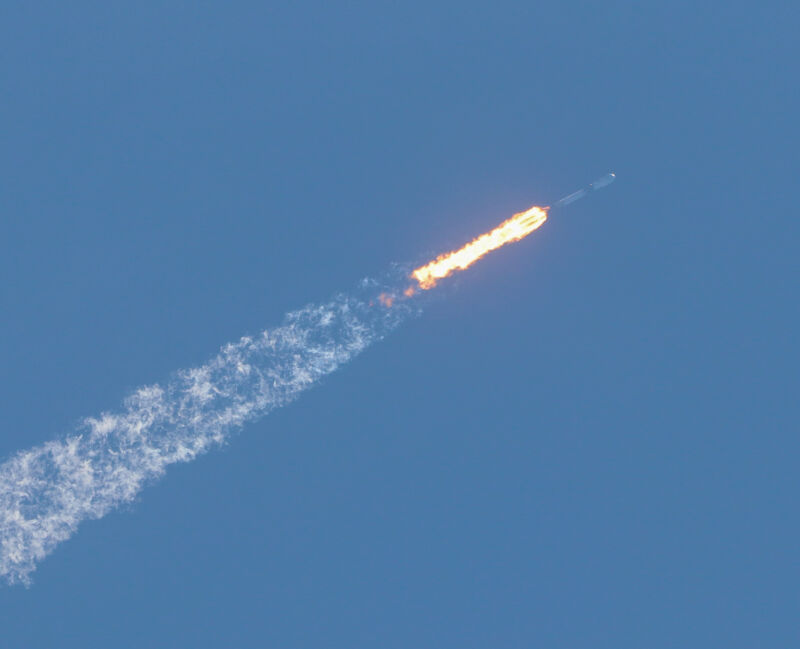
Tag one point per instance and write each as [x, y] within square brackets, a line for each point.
[592, 187]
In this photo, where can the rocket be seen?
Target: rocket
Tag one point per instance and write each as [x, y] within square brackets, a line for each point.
[591, 187]
[517, 227]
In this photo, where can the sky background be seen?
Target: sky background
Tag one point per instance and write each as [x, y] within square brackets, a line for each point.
[591, 442]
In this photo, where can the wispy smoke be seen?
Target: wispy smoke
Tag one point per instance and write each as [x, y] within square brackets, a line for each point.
[46, 491]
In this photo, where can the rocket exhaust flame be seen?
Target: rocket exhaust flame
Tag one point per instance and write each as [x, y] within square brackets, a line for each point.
[516, 228]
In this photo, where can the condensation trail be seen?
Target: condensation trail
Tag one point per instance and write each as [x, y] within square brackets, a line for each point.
[46, 491]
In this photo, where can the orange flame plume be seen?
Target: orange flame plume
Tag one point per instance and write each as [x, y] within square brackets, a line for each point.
[518, 226]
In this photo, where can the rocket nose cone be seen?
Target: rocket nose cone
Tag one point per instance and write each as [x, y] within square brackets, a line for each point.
[605, 180]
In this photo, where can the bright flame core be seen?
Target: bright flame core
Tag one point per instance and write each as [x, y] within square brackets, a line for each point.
[517, 227]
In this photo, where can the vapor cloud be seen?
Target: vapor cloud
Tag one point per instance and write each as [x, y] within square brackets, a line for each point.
[46, 491]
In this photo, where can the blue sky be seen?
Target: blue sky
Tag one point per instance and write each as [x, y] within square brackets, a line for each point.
[590, 442]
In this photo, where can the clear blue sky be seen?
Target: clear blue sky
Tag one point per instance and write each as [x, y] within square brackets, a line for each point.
[592, 442]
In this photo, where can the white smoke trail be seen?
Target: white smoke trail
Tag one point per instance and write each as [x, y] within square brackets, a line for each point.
[46, 491]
